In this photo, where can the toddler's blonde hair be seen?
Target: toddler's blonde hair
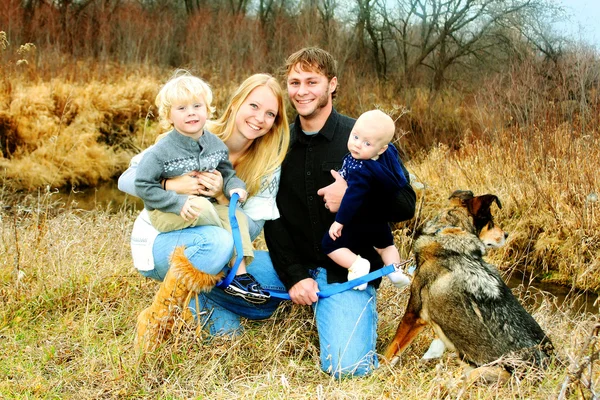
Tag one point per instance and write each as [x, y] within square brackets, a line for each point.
[183, 87]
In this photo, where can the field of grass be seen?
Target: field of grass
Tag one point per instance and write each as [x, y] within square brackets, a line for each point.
[70, 298]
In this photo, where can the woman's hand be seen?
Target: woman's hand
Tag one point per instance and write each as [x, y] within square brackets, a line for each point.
[185, 184]
[212, 184]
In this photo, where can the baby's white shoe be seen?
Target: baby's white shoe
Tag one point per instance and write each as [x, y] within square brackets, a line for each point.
[399, 279]
[360, 267]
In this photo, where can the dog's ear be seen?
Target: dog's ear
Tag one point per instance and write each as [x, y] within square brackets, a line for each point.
[460, 198]
[488, 199]
[479, 207]
[462, 195]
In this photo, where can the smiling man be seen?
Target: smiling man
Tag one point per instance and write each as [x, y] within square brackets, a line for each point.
[310, 192]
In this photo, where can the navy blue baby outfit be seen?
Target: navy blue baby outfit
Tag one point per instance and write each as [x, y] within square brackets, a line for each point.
[362, 210]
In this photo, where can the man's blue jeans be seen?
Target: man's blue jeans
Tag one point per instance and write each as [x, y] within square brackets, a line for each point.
[347, 325]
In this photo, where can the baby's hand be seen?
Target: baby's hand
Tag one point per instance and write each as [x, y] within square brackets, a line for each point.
[241, 192]
[191, 209]
[336, 230]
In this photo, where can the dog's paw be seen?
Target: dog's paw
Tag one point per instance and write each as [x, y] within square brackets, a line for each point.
[436, 350]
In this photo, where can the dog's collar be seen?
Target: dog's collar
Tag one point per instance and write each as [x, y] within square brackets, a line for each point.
[438, 230]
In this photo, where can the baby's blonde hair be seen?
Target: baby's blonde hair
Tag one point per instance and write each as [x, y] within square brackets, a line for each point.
[381, 123]
[183, 87]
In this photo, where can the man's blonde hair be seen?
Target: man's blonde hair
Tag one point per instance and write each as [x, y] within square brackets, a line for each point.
[183, 87]
[313, 59]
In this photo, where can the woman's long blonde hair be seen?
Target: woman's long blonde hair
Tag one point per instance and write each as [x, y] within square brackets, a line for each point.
[267, 152]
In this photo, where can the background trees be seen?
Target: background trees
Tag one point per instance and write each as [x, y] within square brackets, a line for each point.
[501, 53]
[430, 43]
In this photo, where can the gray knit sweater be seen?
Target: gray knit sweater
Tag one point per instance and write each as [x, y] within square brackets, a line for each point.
[175, 155]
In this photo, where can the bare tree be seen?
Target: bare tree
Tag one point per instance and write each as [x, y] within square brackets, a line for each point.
[265, 13]
[192, 6]
[438, 34]
[326, 10]
[238, 6]
[371, 35]
[235, 7]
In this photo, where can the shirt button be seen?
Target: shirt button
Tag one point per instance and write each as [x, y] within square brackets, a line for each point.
[308, 173]
[310, 198]
[310, 149]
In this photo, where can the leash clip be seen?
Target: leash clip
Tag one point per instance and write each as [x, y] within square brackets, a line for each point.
[407, 266]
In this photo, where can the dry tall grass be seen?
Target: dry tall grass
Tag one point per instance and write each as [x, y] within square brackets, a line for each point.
[70, 298]
[548, 187]
[76, 130]
[63, 132]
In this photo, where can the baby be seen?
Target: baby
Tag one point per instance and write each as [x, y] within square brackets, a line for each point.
[372, 168]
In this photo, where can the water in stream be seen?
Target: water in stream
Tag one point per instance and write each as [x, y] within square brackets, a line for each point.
[105, 196]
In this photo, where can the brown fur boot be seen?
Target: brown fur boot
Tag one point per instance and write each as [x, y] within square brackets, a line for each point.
[154, 324]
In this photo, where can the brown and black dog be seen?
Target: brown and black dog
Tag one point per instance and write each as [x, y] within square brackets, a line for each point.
[464, 298]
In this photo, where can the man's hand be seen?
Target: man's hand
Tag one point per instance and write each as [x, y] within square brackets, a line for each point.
[332, 194]
[304, 292]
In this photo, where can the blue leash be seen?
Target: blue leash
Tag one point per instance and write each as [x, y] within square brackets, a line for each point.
[342, 287]
[237, 241]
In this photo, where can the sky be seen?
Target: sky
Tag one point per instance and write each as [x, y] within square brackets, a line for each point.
[585, 22]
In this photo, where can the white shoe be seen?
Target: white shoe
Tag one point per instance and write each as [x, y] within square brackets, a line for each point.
[436, 350]
[399, 278]
[360, 267]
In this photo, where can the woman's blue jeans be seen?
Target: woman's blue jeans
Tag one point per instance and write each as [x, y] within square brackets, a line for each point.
[209, 249]
[346, 322]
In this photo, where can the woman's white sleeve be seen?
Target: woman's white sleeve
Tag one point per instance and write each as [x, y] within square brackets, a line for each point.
[142, 242]
[262, 206]
[126, 182]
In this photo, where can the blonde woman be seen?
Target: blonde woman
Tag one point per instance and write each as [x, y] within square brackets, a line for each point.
[255, 129]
